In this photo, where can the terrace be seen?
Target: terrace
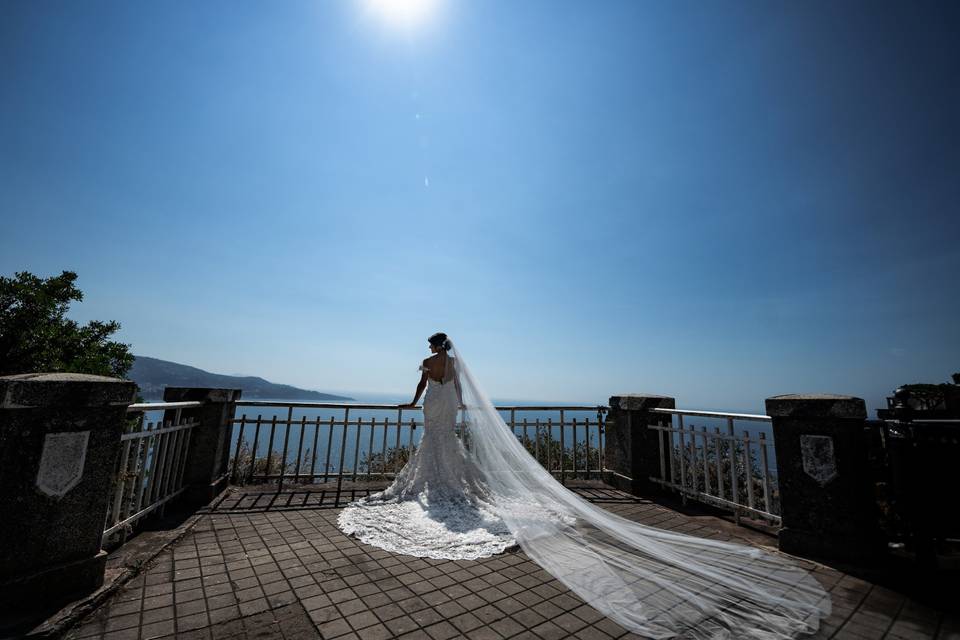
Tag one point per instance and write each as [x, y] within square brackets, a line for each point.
[221, 519]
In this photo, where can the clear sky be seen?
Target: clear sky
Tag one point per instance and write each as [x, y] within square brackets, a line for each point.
[721, 201]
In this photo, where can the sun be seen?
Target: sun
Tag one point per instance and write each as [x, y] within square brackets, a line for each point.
[402, 13]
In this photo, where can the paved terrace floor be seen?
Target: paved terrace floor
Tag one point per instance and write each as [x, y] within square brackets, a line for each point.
[268, 566]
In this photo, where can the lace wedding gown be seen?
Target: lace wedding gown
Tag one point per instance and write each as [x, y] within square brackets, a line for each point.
[449, 503]
[438, 506]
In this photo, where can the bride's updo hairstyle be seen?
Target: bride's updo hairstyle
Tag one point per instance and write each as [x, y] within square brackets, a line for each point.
[440, 341]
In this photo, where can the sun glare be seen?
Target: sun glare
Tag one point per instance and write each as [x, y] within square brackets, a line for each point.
[402, 13]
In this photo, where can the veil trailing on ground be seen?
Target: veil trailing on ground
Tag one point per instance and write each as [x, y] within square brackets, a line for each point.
[653, 582]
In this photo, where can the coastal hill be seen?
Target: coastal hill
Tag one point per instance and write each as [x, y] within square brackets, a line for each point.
[153, 374]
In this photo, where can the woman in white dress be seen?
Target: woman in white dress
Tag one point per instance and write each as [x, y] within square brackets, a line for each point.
[450, 503]
[438, 506]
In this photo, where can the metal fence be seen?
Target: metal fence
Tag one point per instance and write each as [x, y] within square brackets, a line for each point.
[583, 458]
[717, 466]
[152, 459]
[309, 442]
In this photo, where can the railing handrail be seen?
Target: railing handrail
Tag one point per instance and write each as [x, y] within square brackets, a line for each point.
[756, 417]
[342, 405]
[570, 407]
[158, 406]
[921, 421]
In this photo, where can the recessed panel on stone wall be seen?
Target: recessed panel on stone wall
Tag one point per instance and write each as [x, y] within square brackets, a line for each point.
[61, 463]
[819, 460]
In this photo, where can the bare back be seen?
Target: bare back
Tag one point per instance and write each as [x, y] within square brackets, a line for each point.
[436, 366]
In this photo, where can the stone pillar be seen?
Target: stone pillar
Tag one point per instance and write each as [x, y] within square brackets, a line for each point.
[206, 473]
[632, 449]
[59, 441]
[827, 502]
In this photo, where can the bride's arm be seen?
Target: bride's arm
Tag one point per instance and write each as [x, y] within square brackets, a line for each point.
[416, 395]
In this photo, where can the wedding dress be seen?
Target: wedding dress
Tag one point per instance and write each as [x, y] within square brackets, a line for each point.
[452, 503]
[438, 506]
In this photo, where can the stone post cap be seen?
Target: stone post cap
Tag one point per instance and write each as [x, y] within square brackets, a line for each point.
[641, 402]
[37, 390]
[202, 394]
[816, 405]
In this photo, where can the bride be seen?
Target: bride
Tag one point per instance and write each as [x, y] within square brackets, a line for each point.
[449, 502]
[439, 505]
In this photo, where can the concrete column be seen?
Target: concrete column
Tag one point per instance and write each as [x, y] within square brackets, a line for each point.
[632, 449]
[59, 442]
[828, 506]
[207, 467]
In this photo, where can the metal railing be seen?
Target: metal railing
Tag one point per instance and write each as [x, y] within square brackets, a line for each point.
[718, 467]
[584, 458]
[330, 442]
[152, 460]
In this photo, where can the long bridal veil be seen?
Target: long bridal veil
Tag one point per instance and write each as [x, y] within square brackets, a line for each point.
[653, 582]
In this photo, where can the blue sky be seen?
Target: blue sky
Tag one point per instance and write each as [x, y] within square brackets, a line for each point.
[721, 201]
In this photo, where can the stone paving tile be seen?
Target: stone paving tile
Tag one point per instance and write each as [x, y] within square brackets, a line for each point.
[291, 574]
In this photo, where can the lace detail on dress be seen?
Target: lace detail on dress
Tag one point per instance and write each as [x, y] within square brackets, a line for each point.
[439, 505]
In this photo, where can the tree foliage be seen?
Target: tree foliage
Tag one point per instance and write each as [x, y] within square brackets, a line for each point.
[36, 335]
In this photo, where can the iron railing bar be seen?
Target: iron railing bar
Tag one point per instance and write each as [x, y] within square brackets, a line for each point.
[549, 444]
[664, 440]
[144, 479]
[601, 441]
[383, 460]
[748, 470]
[683, 465]
[155, 446]
[716, 451]
[396, 462]
[586, 428]
[326, 464]
[765, 470]
[174, 460]
[563, 475]
[120, 484]
[356, 449]
[161, 468]
[693, 458]
[286, 444]
[343, 449]
[236, 455]
[706, 463]
[373, 426]
[256, 442]
[183, 463]
[313, 453]
[734, 483]
[574, 447]
[536, 441]
[273, 430]
[303, 429]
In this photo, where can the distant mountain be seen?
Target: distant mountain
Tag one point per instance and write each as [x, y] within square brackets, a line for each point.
[152, 375]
